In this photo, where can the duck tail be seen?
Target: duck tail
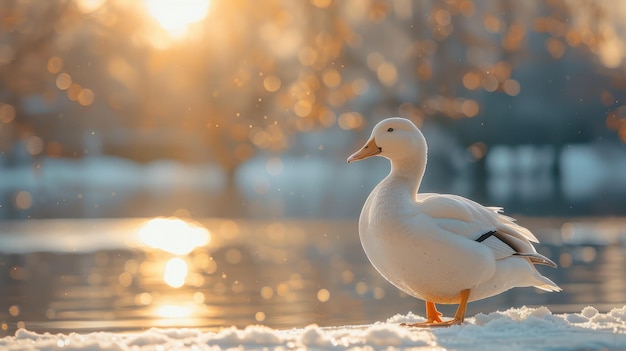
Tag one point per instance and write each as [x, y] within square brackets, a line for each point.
[546, 284]
[543, 283]
[536, 258]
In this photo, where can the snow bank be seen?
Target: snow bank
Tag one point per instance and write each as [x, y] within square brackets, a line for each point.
[515, 329]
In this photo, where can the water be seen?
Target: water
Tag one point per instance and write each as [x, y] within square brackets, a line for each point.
[125, 275]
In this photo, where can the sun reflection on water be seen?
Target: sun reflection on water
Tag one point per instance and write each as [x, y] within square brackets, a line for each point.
[173, 235]
[175, 272]
[174, 311]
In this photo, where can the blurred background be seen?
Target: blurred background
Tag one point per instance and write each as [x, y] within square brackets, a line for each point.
[237, 116]
[249, 109]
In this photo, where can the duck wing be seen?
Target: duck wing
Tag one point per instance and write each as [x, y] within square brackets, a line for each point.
[487, 225]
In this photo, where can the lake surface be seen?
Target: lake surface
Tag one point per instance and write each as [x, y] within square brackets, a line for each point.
[124, 275]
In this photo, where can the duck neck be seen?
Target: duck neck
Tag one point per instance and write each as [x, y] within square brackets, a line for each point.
[409, 171]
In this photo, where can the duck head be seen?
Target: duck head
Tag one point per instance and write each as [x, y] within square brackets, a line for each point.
[395, 139]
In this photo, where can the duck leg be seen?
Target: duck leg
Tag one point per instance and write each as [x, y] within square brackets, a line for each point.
[459, 316]
[432, 315]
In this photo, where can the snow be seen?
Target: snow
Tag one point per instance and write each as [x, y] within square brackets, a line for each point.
[514, 329]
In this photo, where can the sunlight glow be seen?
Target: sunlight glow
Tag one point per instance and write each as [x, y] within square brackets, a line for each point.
[175, 16]
[90, 5]
[174, 311]
[173, 235]
[175, 272]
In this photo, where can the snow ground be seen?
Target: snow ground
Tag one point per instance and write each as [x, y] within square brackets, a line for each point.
[514, 329]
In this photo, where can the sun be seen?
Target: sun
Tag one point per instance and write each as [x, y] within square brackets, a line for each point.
[175, 16]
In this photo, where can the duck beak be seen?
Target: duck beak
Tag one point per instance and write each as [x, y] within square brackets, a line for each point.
[370, 149]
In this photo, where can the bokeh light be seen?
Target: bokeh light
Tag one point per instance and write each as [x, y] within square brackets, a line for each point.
[23, 200]
[323, 295]
[7, 113]
[64, 81]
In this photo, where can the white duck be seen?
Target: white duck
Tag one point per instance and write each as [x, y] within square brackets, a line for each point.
[439, 248]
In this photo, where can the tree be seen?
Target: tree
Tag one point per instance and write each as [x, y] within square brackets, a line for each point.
[254, 74]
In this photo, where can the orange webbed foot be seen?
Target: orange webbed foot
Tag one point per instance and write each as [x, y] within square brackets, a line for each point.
[433, 316]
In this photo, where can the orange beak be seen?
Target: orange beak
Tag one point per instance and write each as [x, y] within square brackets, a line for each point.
[370, 149]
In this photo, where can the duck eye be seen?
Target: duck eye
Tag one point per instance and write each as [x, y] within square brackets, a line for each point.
[390, 130]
